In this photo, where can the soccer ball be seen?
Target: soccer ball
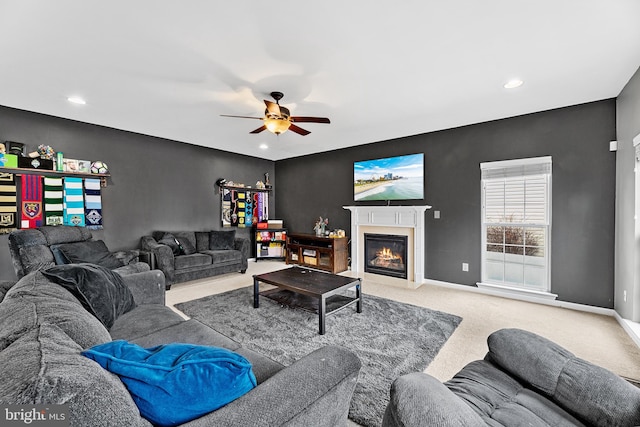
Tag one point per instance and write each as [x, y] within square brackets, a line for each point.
[99, 167]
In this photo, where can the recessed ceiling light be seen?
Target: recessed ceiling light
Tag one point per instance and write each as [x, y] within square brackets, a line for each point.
[76, 100]
[264, 146]
[512, 84]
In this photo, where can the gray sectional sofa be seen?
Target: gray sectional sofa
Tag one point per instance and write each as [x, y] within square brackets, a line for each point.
[44, 327]
[191, 255]
[39, 248]
[524, 380]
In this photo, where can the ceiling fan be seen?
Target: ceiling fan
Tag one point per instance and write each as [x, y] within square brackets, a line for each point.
[278, 119]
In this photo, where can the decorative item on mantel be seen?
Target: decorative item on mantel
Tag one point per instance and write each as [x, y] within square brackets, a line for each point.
[320, 226]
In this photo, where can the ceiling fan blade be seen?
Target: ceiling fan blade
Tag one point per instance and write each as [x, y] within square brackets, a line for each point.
[273, 108]
[260, 129]
[298, 130]
[301, 119]
[242, 117]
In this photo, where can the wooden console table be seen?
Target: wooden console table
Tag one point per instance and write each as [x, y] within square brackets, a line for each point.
[324, 253]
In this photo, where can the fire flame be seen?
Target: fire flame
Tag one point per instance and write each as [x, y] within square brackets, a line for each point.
[387, 254]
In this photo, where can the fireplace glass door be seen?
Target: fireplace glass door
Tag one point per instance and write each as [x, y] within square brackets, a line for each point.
[386, 254]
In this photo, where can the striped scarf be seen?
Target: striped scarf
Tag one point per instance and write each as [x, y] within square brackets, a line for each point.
[92, 204]
[8, 199]
[53, 200]
[73, 202]
[31, 202]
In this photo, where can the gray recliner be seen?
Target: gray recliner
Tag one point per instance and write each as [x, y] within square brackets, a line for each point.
[524, 380]
[35, 249]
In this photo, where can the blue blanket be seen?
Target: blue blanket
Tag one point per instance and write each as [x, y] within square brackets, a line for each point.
[175, 383]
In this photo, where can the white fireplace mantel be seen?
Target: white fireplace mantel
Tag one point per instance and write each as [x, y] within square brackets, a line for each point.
[401, 217]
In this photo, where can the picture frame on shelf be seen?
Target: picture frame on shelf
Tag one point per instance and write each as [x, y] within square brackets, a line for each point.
[84, 166]
[70, 165]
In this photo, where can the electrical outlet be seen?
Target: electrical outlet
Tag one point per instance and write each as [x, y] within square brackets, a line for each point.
[624, 296]
[465, 267]
[436, 214]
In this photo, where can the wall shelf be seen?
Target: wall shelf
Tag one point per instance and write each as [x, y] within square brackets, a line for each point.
[251, 189]
[27, 171]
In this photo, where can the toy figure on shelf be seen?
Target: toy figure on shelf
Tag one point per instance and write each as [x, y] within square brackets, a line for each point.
[43, 151]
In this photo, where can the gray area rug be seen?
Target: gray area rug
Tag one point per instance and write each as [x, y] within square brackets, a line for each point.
[391, 338]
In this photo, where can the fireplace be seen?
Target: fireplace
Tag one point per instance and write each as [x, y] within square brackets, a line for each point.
[385, 254]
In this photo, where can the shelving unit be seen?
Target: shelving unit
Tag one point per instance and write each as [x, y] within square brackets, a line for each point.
[271, 243]
[323, 253]
[47, 172]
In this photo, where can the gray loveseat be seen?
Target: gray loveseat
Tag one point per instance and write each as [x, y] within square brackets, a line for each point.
[39, 248]
[44, 327]
[191, 255]
[524, 380]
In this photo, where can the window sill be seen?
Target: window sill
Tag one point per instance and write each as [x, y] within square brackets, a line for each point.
[511, 292]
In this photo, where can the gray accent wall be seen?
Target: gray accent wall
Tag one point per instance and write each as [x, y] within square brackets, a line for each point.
[627, 251]
[155, 183]
[583, 198]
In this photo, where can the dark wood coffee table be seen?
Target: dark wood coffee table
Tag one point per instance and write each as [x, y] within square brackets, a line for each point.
[312, 290]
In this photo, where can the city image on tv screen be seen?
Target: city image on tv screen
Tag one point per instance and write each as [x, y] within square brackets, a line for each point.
[391, 178]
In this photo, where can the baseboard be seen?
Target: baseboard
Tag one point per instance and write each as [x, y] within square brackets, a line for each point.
[632, 329]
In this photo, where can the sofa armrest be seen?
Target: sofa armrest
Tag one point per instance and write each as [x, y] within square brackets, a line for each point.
[315, 390]
[418, 399]
[127, 256]
[163, 254]
[244, 246]
[147, 287]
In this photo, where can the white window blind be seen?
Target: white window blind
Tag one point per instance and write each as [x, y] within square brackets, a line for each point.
[516, 219]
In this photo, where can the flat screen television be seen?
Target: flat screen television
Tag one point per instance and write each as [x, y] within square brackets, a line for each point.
[390, 178]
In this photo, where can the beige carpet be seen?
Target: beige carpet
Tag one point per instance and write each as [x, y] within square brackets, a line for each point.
[593, 337]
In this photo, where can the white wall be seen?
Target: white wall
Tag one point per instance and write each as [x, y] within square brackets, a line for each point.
[627, 252]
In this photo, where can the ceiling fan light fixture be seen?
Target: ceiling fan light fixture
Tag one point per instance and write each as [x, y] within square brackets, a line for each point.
[276, 125]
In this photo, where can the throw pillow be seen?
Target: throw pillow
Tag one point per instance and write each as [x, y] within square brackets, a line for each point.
[219, 239]
[171, 241]
[101, 291]
[90, 251]
[186, 247]
[175, 383]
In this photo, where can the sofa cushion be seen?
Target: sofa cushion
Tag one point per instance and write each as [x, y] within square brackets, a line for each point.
[222, 257]
[37, 257]
[418, 399]
[222, 239]
[186, 242]
[193, 260]
[36, 300]
[64, 234]
[186, 247]
[143, 320]
[90, 251]
[100, 290]
[44, 366]
[202, 241]
[499, 398]
[170, 240]
[565, 378]
[175, 383]
[189, 332]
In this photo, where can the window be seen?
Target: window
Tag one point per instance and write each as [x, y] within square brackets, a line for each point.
[516, 223]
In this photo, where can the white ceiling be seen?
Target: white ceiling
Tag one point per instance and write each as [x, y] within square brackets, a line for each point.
[378, 70]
